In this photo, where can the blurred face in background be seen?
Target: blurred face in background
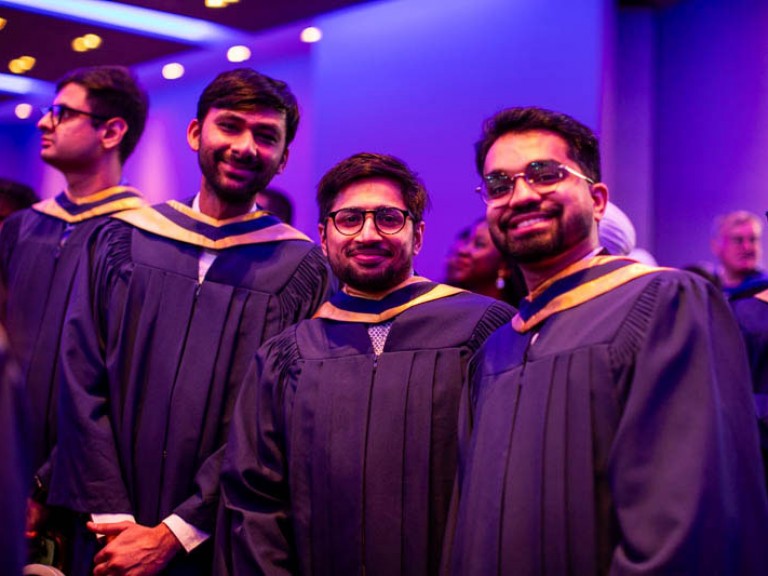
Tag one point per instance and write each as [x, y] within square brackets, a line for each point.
[477, 261]
[739, 248]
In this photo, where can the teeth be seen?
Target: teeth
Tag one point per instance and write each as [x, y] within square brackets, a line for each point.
[529, 222]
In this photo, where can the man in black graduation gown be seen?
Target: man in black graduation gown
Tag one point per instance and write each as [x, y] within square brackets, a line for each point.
[92, 127]
[168, 308]
[342, 450]
[609, 428]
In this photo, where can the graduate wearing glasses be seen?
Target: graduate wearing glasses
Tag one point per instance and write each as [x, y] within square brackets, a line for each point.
[342, 451]
[87, 134]
[610, 428]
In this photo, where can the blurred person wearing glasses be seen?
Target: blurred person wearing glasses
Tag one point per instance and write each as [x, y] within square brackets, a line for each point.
[608, 428]
[92, 127]
[342, 450]
[170, 303]
[737, 244]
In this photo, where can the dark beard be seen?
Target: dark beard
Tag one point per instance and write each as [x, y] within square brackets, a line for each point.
[237, 195]
[379, 282]
[542, 247]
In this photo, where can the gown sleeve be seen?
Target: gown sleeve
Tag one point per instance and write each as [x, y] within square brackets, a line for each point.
[685, 468]
[253, 531]
[87, 475]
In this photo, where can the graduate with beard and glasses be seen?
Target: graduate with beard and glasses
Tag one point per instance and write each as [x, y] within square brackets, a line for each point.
[342, 451]
[610, 428]
[169, 306]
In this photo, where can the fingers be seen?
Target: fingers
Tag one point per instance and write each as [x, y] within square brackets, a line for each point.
[108, 528]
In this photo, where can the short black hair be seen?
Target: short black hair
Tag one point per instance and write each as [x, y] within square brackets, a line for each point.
[364, 166]
[246, 89]
[113, 92]
[583, 147]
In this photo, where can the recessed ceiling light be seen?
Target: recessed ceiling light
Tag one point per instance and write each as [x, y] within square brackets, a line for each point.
[21, 65]
[311, 34]
[92, 41]
[173, 71]
[23, 111]
[78, 45]
[238, 54]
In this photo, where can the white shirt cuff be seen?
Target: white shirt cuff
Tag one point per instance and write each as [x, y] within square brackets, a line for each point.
[112, 518]
[189, 536]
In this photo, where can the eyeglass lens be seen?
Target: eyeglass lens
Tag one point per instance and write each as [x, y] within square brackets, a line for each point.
[387, 220]
[539, 175]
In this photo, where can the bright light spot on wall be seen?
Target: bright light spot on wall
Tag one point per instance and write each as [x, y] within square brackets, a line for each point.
[311, 34]
[3, 22]
[21, 65]
[23, 111]
[238, 54]
[219, 3]
[173, 71]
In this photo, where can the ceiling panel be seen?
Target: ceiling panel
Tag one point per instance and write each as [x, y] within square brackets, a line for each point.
[48, 39]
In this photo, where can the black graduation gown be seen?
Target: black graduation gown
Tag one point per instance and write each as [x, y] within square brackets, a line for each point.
[613, 434]
[752, 315]
[152, 359]
[37, 270]
[340, 462]
[14, 457]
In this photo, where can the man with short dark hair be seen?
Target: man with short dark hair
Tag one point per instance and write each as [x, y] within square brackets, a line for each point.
[93, 125]
[170, 305]
[609, 428]
[342, 450]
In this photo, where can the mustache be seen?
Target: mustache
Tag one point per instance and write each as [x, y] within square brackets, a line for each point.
[372, 248]
[246, 162]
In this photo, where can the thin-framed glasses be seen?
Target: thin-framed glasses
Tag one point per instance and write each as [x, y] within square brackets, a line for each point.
[541, 175]
[60, 112]
[388, 220]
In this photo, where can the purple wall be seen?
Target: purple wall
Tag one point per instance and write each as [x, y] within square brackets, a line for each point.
[417, 78]
[711, 135]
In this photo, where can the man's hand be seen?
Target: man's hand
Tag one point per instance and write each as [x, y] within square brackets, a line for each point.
[37, 514]
[133, 550]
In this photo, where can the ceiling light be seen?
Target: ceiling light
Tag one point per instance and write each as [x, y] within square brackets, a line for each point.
[173, 71]
[78, 45]
[21, 65]
[23, 111]
[92, 41]
[219, 3]
[11, 84]
[3, 22]
[238, 54]
[311, 34]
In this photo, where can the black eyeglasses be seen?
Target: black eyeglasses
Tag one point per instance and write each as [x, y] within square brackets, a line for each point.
[541, 175]
[59, 113]
[388, 220]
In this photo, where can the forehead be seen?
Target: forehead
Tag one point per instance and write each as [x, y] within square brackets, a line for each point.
[257, 116]
[744, 227]
[513, 151]
[73, 95]
[369, 193]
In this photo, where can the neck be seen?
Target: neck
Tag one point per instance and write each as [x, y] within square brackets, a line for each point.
[82, 183]
[731, 279]
[213, 206]
[378, 295]
[535, 273]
